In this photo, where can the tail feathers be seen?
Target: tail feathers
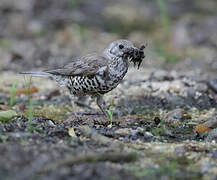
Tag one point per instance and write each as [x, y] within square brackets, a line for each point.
[38, 74]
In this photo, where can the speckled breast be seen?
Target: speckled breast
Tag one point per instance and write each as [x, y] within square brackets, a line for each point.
[95, 85]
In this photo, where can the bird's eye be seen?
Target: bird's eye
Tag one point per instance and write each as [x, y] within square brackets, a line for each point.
[121, 46]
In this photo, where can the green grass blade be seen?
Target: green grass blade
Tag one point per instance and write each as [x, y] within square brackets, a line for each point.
[163, 14]
[29, 87]
[30, 128]
[12, 94]
[110, 114]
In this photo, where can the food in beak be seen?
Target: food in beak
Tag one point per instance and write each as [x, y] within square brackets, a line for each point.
[136, 55]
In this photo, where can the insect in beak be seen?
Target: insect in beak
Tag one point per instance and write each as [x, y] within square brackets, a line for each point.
[136, 55]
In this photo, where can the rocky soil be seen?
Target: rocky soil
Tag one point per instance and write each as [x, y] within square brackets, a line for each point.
[164, 123]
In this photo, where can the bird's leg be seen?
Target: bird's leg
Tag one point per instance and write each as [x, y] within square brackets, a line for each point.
[75, 102]
[81, 102]
[100, 102]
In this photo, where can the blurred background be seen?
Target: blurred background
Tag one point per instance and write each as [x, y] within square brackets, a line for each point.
[43, 34]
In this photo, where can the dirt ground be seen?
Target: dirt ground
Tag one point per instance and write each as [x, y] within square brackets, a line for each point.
[164, 123]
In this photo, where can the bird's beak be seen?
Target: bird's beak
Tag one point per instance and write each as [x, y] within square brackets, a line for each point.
[134, 53]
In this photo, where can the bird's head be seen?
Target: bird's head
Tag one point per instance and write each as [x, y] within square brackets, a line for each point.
[126, 50]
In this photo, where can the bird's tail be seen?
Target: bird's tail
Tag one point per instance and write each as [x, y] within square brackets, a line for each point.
[37, 74]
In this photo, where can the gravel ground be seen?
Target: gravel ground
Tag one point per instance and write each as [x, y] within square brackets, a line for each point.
[164, 123]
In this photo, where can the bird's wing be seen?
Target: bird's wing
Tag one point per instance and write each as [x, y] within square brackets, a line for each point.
[85, 65]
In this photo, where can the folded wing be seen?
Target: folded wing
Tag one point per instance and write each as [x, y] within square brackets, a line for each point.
[85, 65]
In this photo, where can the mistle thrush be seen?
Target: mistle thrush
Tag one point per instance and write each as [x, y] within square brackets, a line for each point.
[98, 73]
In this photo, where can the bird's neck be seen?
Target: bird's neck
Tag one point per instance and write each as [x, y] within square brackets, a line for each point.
[118, 67]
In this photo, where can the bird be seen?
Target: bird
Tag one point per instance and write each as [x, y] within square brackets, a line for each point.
[96, 74]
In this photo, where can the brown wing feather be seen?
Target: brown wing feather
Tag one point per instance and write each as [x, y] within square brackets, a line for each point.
[84, 65]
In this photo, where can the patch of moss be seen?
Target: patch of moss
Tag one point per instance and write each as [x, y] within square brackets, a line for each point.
[5, 43]
[56, 113]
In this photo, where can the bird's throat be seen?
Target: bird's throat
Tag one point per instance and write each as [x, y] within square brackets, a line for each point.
[118, 67]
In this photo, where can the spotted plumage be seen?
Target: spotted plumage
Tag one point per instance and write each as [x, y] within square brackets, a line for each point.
[96, 74]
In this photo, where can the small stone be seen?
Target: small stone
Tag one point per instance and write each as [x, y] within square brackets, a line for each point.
[206, 166]
[177, 115]
[214, 154]
[51, 123]
[201, 87]
[201, 128]
[212, 135]
[212, 123]
[19, 134]
[180, 150]
[140, 130]
[148, 134]
[125, 131]
[213, 84]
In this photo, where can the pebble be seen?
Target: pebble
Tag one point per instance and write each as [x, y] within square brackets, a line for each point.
[177, 115]
[201, 87]
[212, 135]
[213, 84]
[211, 123]
[51, 123]
[180, 150]
[125, 131]
[148, 134]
